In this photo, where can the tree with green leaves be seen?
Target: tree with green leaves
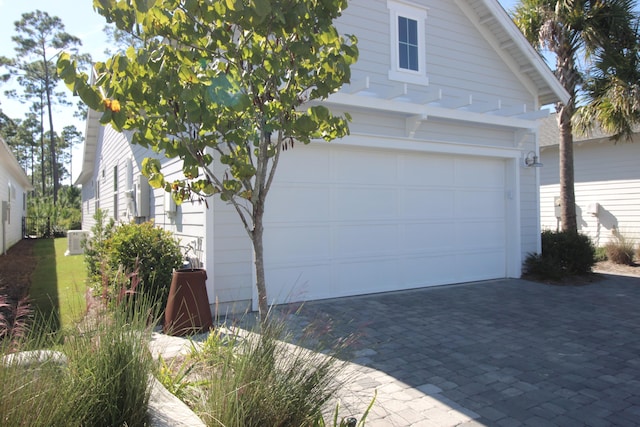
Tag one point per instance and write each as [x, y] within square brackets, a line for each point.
[573, 31]
[38, 41]
[224, 86]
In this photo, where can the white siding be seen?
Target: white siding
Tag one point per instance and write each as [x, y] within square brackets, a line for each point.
[459, 59]
[13, 192]
[233, 271]
[605, 173]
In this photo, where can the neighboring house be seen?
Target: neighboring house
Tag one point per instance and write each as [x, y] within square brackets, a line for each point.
[14, 185]
[430, 188]
[607, 183]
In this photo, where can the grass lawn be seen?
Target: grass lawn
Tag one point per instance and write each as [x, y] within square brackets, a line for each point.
[58, 283]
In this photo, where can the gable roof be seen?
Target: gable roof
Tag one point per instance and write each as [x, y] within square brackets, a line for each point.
[495, 24]
[9, 161]
[92, 127]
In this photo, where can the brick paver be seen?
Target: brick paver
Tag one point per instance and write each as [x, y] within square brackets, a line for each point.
[503, 353]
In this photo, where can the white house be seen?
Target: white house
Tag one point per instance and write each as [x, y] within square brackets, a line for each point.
[430, 188]
[14, 185]
[607, 183]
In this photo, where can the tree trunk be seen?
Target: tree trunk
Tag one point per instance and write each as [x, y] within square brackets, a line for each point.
[568, 77]
[43, 162]
[567, 192]
[258, 248]
[52, 148]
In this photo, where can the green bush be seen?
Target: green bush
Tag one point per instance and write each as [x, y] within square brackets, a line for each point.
[96, 247]
[600, 254]
[564, 254]
[147, 251]
[116, 255]
[620, 250]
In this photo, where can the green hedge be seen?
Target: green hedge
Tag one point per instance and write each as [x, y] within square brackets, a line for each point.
[563, 254]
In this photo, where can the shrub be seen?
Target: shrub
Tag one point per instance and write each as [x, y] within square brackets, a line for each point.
[103, 380]
[620, 250]
[149, 252]
[115, 255]
[96, 247]
[563, 254]
[259, 380]
[113, 365]
[601, 254]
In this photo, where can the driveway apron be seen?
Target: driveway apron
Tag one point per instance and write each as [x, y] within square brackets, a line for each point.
[495, 353]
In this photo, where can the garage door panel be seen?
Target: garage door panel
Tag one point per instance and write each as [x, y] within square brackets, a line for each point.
[363, 203]
[481, 265]
[367, 275]
[305, 164]
[419, 168]
[358, 240]
[358, 167]
[430, 203]
[428, 269]
[302, 283]
[480, 204]
[308, 203]
[303, 242]
[479, 173]
[429, 236]
[479, 235]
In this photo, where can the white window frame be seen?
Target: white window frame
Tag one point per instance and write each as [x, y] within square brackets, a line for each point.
[419, 14]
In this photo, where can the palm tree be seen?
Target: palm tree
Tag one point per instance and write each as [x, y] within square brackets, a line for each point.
[574, 31]
[612, 91]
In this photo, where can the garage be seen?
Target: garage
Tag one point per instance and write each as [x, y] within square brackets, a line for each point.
[347, 221]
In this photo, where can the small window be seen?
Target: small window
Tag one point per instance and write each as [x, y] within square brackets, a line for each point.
[408, 43]
[407, 30]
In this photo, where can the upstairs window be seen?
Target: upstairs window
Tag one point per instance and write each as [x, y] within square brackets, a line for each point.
[408, 43]
[407, 30]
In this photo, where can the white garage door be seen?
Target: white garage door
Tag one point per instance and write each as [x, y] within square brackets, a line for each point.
[349, 221]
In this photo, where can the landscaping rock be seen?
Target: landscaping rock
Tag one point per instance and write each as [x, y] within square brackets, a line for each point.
[166, 410]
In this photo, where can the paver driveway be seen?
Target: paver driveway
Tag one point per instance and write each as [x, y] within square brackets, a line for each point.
[498, 353]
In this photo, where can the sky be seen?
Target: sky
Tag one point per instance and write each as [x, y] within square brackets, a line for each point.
[81, 21]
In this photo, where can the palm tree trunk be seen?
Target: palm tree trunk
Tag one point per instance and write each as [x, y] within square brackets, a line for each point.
[568, 216]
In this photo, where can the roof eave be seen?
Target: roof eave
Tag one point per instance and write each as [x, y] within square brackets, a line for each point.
[555, 91]
[13, 166]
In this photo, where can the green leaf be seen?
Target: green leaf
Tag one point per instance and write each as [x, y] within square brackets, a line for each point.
[118, 120]
[106, 117]
[89, 95]
[261, 7]
[305, 124]
[235, 5]
[150, 166]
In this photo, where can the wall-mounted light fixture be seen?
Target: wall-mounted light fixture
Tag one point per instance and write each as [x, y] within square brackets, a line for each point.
[532, 161]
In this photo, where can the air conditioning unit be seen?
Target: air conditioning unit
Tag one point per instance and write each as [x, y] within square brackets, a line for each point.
[74, 242]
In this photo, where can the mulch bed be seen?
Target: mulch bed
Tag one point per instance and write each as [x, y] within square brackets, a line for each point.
[16, 267]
